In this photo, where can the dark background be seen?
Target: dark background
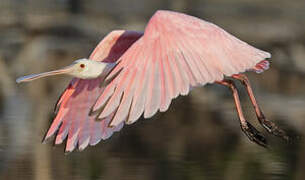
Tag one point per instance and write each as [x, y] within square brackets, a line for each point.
[197, 138]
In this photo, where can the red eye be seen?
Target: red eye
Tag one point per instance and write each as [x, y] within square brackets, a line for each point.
[82, 65]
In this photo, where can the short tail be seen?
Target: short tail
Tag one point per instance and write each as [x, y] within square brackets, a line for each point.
[261, 66]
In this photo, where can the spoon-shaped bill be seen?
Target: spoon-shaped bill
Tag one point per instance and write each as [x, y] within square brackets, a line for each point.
[65, 70]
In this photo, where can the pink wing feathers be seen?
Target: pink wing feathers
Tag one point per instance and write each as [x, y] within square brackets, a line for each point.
[72, 119]
[175, 53]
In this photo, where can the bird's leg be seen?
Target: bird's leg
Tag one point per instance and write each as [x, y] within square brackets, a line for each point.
[252, 133]
[267, 124]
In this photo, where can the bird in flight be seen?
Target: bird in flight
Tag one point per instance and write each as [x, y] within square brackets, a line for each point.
[132, 73]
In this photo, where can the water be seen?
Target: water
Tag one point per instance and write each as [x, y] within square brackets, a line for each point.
[197, 138]
[184, 143]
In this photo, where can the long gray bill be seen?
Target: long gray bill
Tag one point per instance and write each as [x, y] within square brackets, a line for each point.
[32, 77]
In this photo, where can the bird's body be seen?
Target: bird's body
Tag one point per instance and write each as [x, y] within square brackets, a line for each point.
[141, 73]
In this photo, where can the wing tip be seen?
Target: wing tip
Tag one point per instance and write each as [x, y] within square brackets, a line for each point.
[67, 152]
[49, 134]
[45, 140]
[93, 143]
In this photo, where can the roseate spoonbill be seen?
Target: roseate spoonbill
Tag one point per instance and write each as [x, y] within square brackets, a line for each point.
[133, 73]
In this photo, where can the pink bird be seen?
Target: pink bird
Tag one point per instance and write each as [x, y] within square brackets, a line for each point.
[133, 73]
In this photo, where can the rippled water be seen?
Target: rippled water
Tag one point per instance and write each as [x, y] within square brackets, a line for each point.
[184, 143]
[197, 138]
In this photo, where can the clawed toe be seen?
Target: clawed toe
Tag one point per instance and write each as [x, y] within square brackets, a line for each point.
[273, 128]
[254, 135]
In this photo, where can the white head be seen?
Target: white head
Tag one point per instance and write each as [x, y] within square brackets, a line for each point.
[82, 68]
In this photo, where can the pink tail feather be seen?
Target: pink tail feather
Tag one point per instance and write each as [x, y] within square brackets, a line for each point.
[261, 66]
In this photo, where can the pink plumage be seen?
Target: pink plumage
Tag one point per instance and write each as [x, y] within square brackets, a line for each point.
[176, 52]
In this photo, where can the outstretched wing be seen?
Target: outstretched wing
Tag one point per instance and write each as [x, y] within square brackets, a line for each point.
[74, 105]
[175, 53]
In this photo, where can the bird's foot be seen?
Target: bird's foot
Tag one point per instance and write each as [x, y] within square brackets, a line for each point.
[272, 128]
[254, 135]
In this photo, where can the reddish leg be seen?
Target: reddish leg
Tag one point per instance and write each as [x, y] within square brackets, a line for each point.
[253, 134]
[268, 125]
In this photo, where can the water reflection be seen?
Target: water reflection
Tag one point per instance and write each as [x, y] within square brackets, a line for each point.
[198, 138]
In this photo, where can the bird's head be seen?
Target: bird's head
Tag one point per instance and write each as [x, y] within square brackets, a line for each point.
[81, 68]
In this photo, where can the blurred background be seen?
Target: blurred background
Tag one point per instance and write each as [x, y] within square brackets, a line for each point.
[197, 138]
